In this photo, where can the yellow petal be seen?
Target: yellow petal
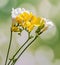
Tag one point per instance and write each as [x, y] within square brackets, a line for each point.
[30, 15]
[37, 22]
[30, 28]
[15, 29]
[19, 19]
[34, 18]
[25, 15]
[42, 22]
[28, 24]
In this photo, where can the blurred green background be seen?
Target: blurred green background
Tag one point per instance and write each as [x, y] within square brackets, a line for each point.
[46, 49]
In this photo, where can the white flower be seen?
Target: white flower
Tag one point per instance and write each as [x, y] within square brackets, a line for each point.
[17, 11]
[49, 30]
[48, 23]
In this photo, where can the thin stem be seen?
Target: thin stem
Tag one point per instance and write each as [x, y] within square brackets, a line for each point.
[20, 49]
[26, 48]
[8, 48]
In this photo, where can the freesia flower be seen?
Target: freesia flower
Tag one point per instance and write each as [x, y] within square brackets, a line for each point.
[49, 31]
[48, 24]
[27, 20]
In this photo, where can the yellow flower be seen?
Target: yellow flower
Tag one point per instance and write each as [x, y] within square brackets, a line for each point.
[30, 16]
[24, 19]
[28, 24]
[30, 28]
[25, 16]
[19, 19]
[15, 29]
[35, 21]
[28, 21]
[42, 23]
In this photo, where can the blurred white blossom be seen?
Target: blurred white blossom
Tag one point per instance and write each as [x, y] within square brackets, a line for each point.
[51, 30]
[3, 38]
[26, 59]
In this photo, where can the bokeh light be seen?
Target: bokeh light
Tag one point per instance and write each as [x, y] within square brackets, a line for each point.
[44, 8]
[29, 7]
[3, 3]
[3, 38]
[26, 59]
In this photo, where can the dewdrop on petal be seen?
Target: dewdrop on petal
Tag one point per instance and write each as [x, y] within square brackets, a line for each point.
[50, 29]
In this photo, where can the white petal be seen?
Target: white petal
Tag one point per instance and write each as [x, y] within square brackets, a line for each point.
[23, 9]
[13, 16]
[50, 31]
[48, 23]
[17, 11]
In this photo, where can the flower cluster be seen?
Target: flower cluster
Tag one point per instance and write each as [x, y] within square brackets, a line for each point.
[23, 19]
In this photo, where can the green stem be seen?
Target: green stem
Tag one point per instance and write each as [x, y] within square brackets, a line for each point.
[8, 48]
[25, 48]
[17, 52]
[19, 49]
